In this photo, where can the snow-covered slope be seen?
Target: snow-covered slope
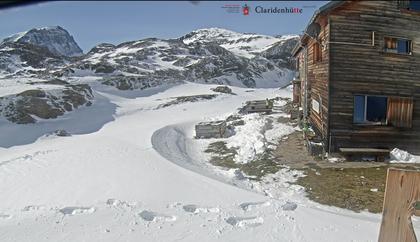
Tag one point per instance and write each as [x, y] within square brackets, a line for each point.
[151, 62]
[98, 160]
[112, 185]
[205, 56]
[243, 44]
[56, 39]
[24, 60]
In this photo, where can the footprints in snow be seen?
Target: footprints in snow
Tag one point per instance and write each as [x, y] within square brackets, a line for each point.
[33, 208]
[77, 210]
[27, 157]
[245, 221]
[119, 204]
[254, 221]
[191, 208]
[151, 216]
[289, 206]
[5, 216]
[248, 206]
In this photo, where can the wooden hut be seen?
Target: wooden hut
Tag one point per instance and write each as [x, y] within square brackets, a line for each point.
[360, 81]
[258, 106]
[213, 129]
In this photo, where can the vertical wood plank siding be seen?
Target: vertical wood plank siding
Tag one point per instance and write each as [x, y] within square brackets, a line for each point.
[400, 112]
[364, 69]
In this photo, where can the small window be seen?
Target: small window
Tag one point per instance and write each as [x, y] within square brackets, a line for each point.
[317, 52]
[370, 109]
[396, 45]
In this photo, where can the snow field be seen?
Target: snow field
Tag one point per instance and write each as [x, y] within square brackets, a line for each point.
[116, 183]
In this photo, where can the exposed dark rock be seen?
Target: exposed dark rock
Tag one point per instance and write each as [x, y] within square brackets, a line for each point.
[22, 108]
[184, 99]
[62, 133]
[222, 89]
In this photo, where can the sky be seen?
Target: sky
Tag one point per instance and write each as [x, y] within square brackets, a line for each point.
[95, 22]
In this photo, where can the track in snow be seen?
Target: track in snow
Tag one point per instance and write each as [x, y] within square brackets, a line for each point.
[172, 144]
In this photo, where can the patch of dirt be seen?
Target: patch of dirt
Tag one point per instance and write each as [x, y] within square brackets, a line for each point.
[356, 189]
[255, 169]
[292, 152]
[353, 185]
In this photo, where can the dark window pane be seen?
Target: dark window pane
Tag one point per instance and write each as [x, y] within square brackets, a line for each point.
[359, 109]
[376, 109]
[415, 5]
[403, 46]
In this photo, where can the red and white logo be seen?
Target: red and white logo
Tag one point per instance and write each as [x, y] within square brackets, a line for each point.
[245, 10]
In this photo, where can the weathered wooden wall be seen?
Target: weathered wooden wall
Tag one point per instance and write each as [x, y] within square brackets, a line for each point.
[318, 82]
[302, 75]
[364, 69]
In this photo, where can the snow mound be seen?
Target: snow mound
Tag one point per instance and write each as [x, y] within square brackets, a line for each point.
[257, 134]
[402, 156]
[249, 139]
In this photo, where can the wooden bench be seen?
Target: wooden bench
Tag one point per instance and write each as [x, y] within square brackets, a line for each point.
[379, 154]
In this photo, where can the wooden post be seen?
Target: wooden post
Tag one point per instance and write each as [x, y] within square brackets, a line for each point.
[402, 192]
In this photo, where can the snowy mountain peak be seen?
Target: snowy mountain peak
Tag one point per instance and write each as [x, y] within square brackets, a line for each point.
[214, 32]
[218, 34]
[55, 38]
[247, 45]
